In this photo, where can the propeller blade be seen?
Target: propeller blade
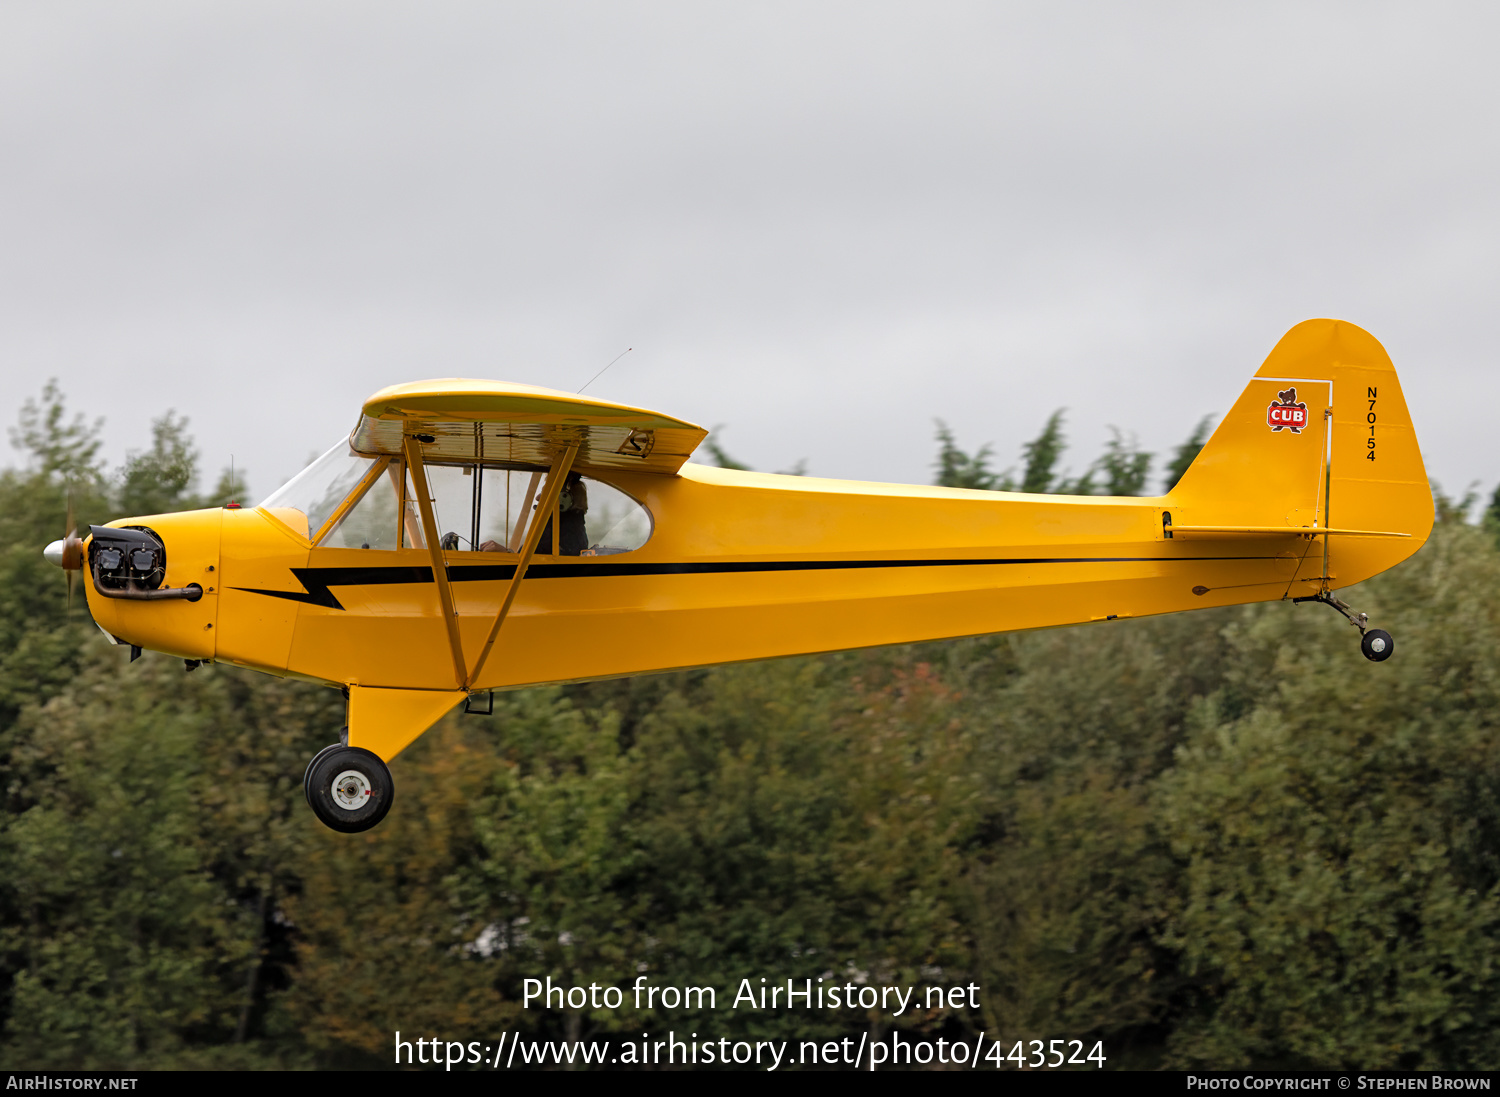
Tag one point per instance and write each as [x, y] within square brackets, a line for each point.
[72, 545]
[68, 552]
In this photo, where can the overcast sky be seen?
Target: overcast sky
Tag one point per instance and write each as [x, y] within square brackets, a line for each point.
[822, 225]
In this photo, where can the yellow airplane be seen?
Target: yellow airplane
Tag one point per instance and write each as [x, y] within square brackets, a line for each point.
[471, 536]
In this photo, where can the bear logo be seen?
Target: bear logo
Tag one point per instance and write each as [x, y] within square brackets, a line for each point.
[1287, 413]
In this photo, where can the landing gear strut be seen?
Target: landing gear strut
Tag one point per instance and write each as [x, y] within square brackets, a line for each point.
[349, 789]
[1375, 643]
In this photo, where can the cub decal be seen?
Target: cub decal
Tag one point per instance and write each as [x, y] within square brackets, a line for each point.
[1287, 413]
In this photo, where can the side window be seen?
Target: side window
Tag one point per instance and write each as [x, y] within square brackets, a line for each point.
[371, 522]
[453, 499]
[488, 509]
[507, 497]
[594, 518]
[475, 508]
[616, 522]
[411, 515]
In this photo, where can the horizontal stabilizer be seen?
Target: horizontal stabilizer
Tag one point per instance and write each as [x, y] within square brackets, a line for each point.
[1281, 531]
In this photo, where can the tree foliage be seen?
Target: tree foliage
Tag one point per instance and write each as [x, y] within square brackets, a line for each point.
[957, 469]
[1124, 468]
[56, 446]
[160, 479]
[1184, 454]
[1040, 457]
[1121, 470]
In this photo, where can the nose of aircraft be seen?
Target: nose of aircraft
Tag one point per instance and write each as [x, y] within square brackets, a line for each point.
[66, 553]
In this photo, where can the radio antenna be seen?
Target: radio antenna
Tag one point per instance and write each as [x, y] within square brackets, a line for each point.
[600, 374]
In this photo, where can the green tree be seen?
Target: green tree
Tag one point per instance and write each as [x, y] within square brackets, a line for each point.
[58, 448]
[1080, 485]
[1451, 511]
[1335, 820]
[1040, 456]
[118, 943]
[62, 488]
[1491, 517]
[1184, 454]
[1071, 890]
[1124, 466]
[792, 820]
[160, 479]
[957, 469]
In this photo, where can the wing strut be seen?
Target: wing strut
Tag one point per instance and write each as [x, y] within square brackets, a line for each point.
[544, 513]
[435, 549]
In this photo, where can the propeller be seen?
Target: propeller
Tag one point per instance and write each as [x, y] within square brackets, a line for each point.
[68, 552]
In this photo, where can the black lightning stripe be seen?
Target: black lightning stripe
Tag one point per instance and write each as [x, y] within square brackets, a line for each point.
[317, 581]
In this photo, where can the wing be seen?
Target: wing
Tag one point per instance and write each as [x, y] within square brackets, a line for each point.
[523, 425]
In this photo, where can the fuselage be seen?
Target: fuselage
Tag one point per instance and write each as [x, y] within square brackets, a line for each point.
[738, 566]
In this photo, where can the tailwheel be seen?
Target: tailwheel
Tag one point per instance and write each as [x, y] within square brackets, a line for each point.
[349, 789]
[1377, 645]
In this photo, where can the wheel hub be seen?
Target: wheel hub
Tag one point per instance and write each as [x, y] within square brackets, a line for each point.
[351, 790]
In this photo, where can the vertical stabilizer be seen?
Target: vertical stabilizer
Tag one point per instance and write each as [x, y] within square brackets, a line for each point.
[1321, 437]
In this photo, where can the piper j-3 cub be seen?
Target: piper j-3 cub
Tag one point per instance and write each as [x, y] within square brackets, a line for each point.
[471, 536]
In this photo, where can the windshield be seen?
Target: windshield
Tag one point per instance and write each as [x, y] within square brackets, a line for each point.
[305, 501]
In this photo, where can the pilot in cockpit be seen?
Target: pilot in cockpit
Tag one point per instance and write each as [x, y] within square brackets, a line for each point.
[572, 508]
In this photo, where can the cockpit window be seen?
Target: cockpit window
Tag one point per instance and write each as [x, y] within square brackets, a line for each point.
[371, 522]
[308, 499]
[486, 509]
[478, 508]
[615, 521]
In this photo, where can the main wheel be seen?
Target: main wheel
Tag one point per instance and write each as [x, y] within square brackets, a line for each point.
[349, 789]
[1377, 645]
[308, 772]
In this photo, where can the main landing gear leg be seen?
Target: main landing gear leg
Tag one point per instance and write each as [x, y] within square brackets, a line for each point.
[1375, 643]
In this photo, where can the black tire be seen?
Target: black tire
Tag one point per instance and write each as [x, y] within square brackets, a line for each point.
[350, 789]
[1377, 645]
[307, 773]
